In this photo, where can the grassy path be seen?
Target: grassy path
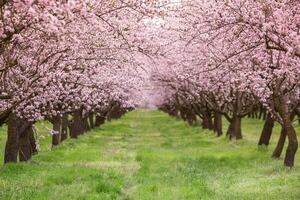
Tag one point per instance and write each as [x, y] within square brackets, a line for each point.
[147, 155]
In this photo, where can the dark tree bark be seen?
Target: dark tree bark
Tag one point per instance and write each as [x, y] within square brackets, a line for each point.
[73, 130]
[261, 112]
[292, 144]
[267, 131]
[56, 137]
[12, 142]
[76, 126]
[16, 128]
[99, 120]
[207, 122]
[114, 112]
[287, 118]
[280, 144]
[229, 129]
[25, 147]
[237, 130]
[32, 141]
[218, 124]
[234, 130]
[256, 114]
[183, 114]
[190, 117]
[64, 127]
[264, 115]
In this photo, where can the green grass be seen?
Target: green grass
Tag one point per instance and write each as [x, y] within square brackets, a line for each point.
[147, 155]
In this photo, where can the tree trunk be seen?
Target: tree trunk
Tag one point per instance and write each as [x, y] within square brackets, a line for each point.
[16, 128]
[56, 137]
[12, 142]
[264, 115]
[292, 144]
[191, 117]
[218, 123]
[73, 130]
[283, 109]
[99, 120]
[280, 144]
[237, 130]
[267, 131]
[32, 141]
[261, 112]
[256, 114]
[25, 148]
[234, 130]
[64, 127]
[86, 124]
[76, 126]
[207, 120]
[183, 114]
[114, 112]
[229, 129]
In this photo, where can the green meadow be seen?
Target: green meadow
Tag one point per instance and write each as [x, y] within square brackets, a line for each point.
[147, 155]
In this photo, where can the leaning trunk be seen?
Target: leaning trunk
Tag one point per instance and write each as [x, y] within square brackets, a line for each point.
[292, 147]
[280, 144]
[267, 131]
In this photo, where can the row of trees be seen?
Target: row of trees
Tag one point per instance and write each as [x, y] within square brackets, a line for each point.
[233, 58]
[74, 63]
[69, 61]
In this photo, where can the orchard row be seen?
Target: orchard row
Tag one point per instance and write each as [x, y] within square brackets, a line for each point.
[77, 59]
[69, 62]
[231, 59]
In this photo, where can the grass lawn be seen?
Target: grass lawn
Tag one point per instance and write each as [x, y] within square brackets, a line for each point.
[148, 155]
